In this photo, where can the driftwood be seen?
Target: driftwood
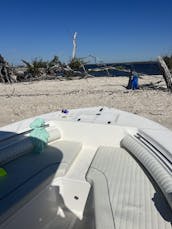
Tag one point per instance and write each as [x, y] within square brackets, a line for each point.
[43, 70]
[54, 69]
[57, 71]
[6, 72]
[166, 73]
[3, 70]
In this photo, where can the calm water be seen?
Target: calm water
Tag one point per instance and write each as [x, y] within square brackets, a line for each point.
[148, 68]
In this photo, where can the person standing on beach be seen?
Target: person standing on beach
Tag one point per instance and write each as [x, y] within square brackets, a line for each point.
[129, 86]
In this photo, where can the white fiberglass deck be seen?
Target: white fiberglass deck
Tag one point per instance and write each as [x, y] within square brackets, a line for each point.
[89, 176]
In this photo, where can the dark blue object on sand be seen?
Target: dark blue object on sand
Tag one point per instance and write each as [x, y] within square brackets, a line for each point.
[134, 83]
[65, 111]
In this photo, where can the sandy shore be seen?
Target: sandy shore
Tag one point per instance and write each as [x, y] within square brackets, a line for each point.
[23, 100]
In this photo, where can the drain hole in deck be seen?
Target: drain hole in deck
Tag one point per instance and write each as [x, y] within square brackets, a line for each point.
[76, 197]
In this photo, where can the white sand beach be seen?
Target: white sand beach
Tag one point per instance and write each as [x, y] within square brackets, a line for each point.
[24, 100]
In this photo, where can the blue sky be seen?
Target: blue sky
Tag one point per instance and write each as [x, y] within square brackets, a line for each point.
[113, 31]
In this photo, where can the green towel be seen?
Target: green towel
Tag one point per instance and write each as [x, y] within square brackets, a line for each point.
[39, 135]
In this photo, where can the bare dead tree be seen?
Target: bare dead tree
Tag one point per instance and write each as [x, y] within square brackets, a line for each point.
[74, 45]
[166, 73]
[6, 71]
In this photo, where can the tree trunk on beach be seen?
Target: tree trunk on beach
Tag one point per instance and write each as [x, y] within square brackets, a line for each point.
[5, 72]
[166, 73]
[74, 46]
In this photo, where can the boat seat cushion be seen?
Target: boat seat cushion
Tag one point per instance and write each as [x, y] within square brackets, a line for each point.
[159, 173]
[132, 201]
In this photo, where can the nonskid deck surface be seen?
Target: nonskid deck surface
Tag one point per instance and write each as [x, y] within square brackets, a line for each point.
[134, 201]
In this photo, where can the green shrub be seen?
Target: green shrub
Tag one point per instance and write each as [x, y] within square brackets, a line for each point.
[34, 68]
[76, 64]
[119, 67]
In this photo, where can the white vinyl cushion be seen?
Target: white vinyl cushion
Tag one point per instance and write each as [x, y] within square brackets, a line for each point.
[161, 175]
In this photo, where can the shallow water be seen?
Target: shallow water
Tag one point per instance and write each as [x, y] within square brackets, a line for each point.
[148, 68]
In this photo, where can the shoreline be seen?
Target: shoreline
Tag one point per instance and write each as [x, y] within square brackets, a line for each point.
[24, 100]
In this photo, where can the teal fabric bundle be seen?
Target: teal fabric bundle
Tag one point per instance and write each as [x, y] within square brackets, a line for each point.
[39, 135]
